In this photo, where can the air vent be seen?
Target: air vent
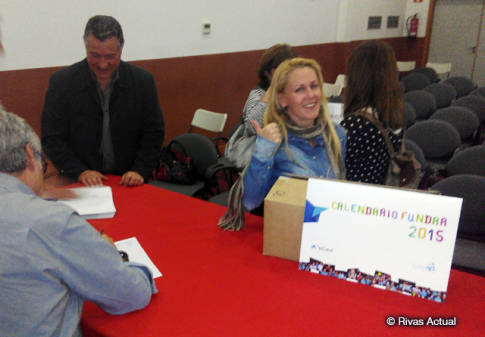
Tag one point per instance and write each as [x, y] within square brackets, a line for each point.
[374, 22]
[392, 21]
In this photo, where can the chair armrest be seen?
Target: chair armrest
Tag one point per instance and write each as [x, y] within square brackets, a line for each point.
[211, 180]
[216, 140]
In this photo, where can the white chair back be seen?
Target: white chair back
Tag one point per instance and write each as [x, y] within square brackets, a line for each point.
[440, 68]
[406, 65]
[208, 120]
[330, 90]
[340, 80]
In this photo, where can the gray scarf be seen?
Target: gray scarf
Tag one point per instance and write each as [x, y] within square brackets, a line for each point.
[310, 133]
[233, 219]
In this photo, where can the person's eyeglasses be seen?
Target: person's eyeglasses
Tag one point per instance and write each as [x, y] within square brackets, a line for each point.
[44, 163]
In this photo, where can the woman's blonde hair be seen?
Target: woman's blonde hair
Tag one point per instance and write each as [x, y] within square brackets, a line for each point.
[274, 111]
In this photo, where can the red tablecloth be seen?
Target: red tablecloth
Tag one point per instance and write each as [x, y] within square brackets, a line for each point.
[218, 283]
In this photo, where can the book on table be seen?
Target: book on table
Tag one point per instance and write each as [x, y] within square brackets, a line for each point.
[92, 202]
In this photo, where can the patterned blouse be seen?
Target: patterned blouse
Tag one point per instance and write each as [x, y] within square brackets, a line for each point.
[367, 157]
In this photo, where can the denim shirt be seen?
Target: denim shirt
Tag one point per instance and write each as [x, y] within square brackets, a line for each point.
[265, 166]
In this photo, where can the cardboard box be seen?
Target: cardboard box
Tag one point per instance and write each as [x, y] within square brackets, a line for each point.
[284, 211]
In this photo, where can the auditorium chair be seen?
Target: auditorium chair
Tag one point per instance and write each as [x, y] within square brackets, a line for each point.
[479, 92]
[415, 81]
[468, 161]
[473, 102]
[463, 85]
[423, 102]
[438, 140]
[463, 119]
[430, 72]
[443, 93]
[410, 114]
[469, 252]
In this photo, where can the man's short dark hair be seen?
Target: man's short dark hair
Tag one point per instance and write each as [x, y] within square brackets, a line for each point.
[104, 27]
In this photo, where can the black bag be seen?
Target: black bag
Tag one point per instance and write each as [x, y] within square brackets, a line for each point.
[175, 167]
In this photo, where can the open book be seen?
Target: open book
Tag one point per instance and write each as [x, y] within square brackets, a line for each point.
[92, 202]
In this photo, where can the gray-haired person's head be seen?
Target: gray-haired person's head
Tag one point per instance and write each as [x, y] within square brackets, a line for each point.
[15, 135]
[104, 27]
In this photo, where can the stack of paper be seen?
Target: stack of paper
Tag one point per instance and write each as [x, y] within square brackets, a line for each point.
[136, 253]
[92, 202]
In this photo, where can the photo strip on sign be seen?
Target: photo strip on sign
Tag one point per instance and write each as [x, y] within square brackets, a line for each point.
[395, 239]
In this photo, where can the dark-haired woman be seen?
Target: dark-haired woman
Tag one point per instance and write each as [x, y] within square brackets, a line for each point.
[258, 98]
[373, 98]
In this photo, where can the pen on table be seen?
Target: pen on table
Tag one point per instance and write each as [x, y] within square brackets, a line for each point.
[102, 231]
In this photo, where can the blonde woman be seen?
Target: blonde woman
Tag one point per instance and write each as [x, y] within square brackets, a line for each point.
[298, 135]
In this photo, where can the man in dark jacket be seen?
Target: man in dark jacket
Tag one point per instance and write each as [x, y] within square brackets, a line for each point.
[102, 115]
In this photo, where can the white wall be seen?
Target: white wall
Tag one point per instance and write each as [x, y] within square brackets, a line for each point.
[47, 33]
[358, 14]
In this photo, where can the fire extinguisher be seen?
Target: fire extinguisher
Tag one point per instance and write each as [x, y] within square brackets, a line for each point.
[412, 24]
